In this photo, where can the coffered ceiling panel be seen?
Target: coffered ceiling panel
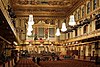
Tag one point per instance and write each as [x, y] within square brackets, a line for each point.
[44, 8]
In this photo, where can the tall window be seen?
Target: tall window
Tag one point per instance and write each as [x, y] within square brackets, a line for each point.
[85, 28]
[90, 27]
[79, 30]
[75, 16]
[41, 32]
[19, 22]
[97, 24]
[51, 32]
[79, 14]
[88, 7]
[68, 35]
[75, 32]
[94, 4]
[83, 12]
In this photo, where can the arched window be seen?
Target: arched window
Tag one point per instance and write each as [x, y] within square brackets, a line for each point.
[68, 35]
[97, 24]
[88, 7]
[75, 15]
[85, 28]
[83, 12]
[78, 14]
[75, 32]
[94, 4]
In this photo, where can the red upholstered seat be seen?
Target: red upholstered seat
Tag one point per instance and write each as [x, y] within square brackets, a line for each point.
[26, 63]
[67, 63]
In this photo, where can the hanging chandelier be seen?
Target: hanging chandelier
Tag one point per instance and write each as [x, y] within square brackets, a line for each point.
[29, 33]
[72, 21]
[29, 28]
[57, 32]
[63, 29]
[30, 23]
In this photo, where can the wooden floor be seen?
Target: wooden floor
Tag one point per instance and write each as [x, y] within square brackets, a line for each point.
[60, 63]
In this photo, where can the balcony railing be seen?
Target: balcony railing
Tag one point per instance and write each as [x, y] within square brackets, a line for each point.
[85, 36]
[8, 18]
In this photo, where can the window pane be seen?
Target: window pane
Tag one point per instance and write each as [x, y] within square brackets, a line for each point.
[94, 4]
[51, 32]
[85, 28]
[41, 32]
[98, 24]
[82, 11]
[78, 14]
[88, 7]
[75, 32]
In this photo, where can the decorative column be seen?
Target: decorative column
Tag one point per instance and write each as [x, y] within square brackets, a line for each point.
[46, 33]
[35, 34]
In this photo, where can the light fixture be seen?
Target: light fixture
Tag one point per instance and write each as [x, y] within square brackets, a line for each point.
[63, 29]
[29, 28]
[57, 32]
[30, 21]
[51, 44]
[76, 42]
[72, 21]
[30, 44]
[29, 33]
[15, 43]
[41, 44]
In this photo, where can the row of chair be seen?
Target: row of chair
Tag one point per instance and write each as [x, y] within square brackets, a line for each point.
[26, 63]
[68, 63]
[10, 63]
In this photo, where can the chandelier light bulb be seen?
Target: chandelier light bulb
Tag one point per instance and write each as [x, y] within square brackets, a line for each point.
[72, 20]
[15, 43]
[30, 44]
[63, 29]
[41, 44]
[57, 32]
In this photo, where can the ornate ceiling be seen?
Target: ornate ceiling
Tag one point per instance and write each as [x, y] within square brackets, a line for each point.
[43, 8]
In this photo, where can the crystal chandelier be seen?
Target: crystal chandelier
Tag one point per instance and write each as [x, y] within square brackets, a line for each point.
[72, 21]
[29, 33]
[29, 28]
[57, 32]
[63, 29]
[30, 21]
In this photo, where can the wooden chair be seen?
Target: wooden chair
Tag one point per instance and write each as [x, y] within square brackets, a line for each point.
[6, 64]
[1, 65]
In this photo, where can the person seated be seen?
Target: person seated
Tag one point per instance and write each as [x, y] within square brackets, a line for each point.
[33, 59]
